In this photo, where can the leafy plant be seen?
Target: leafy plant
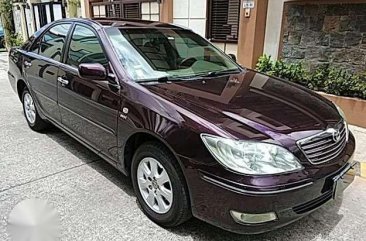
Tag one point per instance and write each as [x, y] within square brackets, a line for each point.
[293, 71]
[324, 78]
[73, 7]
[16, 40]
[7, 21]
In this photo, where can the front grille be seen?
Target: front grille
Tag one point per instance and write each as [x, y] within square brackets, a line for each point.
[325, 146]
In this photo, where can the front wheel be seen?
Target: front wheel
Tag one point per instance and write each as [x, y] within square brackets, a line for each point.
[34, 121]
[159, 185]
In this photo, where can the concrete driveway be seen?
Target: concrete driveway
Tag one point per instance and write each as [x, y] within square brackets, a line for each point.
[96, 202]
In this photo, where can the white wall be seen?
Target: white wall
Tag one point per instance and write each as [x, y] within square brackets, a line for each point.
[17, 15]
[229, 48]
[22, 21]
[273, 27]
[83, 8]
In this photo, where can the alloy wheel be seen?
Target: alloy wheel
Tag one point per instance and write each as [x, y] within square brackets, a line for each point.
[29, 108]
[155, 185]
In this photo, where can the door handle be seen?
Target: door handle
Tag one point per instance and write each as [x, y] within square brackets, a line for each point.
[63, 81]
[27, 64]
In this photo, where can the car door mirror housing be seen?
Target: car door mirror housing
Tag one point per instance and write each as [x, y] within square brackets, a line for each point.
[232, 56]
[93, 71]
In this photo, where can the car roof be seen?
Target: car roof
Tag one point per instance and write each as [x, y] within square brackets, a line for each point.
[122, 23]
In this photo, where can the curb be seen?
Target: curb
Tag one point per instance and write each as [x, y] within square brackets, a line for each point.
[360, 169]
[363, 169]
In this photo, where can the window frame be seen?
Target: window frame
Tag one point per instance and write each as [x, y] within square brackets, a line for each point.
[68, 42]
[39, 38]
[209, 25]
[63, 46]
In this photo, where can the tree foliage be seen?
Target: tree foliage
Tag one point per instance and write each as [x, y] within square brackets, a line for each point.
[7, 21]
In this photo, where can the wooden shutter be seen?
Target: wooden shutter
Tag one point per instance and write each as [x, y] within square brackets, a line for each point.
[132, 10]
[113, 10]
[119, 9]
[223, 20]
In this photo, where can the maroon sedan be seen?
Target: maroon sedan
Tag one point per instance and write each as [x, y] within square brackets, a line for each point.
[198, 134]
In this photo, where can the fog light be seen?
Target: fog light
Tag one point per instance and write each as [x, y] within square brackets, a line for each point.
[247, 218]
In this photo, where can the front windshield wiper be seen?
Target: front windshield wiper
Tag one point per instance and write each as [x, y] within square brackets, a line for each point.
[222, 72]
[165, 79]
[170, 79]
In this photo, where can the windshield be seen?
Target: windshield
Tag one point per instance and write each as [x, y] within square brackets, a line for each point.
[153, 53]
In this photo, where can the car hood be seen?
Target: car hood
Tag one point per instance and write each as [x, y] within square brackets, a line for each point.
[250, 105]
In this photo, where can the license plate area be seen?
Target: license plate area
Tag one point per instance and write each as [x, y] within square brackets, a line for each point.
[341, 181]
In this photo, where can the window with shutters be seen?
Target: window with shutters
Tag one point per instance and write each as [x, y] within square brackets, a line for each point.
[117, 9]
[132, 10]
[223, 20]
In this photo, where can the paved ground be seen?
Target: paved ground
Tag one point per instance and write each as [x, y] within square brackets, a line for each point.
[360, 134]
[97, 203]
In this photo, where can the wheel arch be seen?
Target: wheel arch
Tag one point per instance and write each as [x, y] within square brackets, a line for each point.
[138, 138]
[21, 85]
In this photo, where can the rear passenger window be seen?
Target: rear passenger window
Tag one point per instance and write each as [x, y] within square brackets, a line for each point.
[53, 41]
[85, 48]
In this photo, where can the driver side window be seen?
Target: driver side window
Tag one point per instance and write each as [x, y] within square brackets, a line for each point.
[85, 48]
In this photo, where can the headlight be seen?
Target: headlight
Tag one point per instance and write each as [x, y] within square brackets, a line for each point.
[341, 113]
[247, 157]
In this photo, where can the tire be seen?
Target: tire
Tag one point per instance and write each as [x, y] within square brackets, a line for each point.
[179, 210]
[35, 122]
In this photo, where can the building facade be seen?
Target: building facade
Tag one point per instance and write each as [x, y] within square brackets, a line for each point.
[318, 32]
[31, 15]
[226, 23]
[314, 32]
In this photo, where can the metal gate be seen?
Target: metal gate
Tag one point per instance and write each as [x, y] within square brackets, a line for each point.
[126, 9]
[47, 12]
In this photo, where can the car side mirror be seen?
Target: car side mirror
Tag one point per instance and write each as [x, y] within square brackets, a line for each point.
[232, 56]
[93, 71]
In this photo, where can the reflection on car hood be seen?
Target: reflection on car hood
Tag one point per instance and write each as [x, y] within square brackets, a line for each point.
[252, 105]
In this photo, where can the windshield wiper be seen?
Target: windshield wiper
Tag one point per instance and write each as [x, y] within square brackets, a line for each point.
[165, 79]
[222, 72]
[170, 79]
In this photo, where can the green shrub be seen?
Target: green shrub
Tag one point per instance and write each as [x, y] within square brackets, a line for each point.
[6, 15]
[16, 40]
[324, 78]
[293, 71]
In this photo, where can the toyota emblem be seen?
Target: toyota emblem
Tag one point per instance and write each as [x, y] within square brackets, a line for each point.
[336, 135]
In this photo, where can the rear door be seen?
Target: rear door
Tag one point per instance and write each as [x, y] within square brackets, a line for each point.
[41, 64]
[89, 108]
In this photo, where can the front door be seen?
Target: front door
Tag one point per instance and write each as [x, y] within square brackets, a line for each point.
[41, 68]
[89, 108]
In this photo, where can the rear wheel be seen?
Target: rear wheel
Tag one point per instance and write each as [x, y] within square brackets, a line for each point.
[159, 185]
[34, 121]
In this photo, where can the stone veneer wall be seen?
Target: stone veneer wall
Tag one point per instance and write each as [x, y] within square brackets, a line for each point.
[319, 34]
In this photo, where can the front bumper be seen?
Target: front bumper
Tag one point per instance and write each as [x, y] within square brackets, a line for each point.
[214, 199]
